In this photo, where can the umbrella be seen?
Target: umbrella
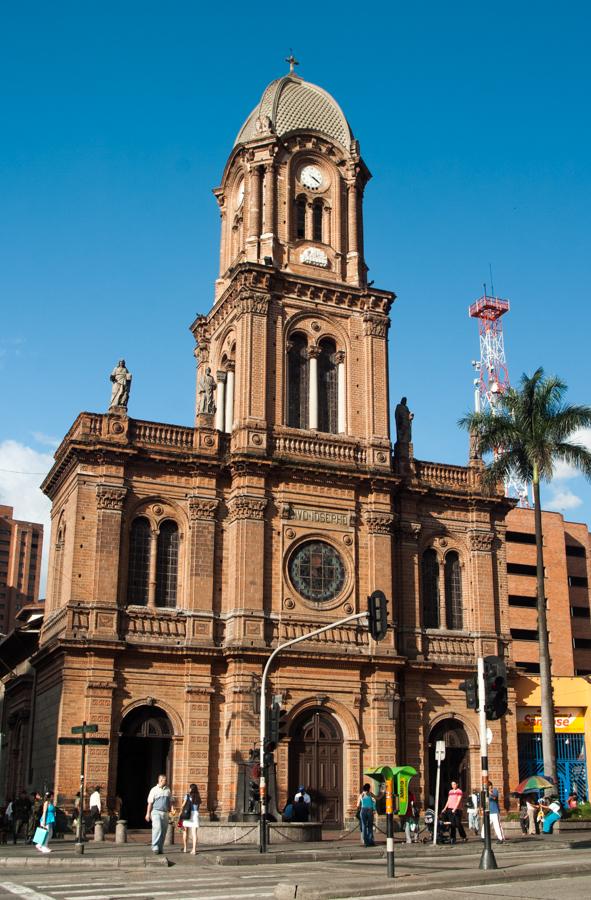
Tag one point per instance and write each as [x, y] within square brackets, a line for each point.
[534, 783]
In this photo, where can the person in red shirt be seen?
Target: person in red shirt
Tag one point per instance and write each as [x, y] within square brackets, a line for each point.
[454, 806]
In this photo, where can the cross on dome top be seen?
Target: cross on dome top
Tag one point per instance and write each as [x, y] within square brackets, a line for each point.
[292, 61]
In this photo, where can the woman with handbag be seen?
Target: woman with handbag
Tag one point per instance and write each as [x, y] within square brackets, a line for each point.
[46, 824]
[190, 817]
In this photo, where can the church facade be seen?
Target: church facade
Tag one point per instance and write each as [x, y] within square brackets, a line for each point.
[181, 556]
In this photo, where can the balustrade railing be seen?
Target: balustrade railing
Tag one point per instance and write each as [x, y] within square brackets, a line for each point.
[326, 448]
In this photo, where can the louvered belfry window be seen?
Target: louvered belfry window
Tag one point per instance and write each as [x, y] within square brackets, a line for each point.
[430, 589]
[139, 562]
[317, 211]
[167, 564]
[301, 218]
[297, 388]
[453, 593]
[327, 387]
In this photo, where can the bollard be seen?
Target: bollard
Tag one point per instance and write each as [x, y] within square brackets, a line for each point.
[169, 839]
[99, 831]
[121, 832]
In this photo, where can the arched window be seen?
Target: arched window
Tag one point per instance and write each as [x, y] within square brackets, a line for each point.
[430, 589]
[317, 212]
[297, 387]
[139, 562]
[327, 387]
[300, 217]
[453, 592]
[167, 564]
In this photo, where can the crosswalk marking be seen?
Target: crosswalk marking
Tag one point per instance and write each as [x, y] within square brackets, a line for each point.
[23, 891]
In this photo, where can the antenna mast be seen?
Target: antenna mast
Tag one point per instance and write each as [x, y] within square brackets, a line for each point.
[493, 375]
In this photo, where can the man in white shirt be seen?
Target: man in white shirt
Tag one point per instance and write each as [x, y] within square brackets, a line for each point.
[159, 803]
[95, 804]
[302, 792]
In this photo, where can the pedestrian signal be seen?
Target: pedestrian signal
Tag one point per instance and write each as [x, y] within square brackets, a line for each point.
[495, 687]
[470, 688]
[377, 619]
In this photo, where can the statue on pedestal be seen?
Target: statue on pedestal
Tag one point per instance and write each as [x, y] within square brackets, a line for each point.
[121, 378]
[205, 388]
[403, 418]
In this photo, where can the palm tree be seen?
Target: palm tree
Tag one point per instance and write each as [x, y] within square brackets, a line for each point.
[530, 430]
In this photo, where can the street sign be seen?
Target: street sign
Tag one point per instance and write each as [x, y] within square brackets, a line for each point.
[439, 751]
[84, 729]
[89, 742]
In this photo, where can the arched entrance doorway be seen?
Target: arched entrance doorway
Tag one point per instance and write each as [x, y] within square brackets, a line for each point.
[145, 751]
[316, 761]
[456, 765]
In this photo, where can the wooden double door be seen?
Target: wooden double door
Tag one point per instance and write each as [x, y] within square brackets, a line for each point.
[316, 761]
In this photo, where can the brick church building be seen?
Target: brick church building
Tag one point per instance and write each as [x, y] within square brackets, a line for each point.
[180, 556]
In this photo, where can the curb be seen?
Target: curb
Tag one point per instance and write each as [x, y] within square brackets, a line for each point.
[114, 862]
[295, 891]
[297, 856]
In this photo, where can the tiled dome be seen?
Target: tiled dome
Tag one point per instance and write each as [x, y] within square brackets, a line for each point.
[291, 104]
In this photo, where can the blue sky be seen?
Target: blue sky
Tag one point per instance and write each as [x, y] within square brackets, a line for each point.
[117, 119]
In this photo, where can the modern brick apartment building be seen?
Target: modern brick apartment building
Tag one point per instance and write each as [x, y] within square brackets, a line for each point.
[180, 556]
[567, 561]
[20, 565]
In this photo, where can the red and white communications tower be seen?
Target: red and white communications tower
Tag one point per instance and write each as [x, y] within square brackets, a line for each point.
[493, 374]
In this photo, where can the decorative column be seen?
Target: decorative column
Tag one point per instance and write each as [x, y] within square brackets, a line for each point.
[313, 354]
[229, 409]
[152, 568]
[220, 410]
[352, 217]
[379, 555]
[254, 214]
[341, 393]
[202, 516]
[269, 206]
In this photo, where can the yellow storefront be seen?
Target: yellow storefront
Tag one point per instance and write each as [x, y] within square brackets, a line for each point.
[572, 724]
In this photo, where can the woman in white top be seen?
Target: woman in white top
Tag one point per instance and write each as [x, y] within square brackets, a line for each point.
[190, 816]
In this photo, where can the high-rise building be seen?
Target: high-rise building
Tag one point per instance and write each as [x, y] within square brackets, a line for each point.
[567, 570]
[20, 565]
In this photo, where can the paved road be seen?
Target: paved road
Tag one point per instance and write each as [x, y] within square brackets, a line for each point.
[578, 887]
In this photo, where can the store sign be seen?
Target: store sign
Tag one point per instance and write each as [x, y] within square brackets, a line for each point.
[567, 720]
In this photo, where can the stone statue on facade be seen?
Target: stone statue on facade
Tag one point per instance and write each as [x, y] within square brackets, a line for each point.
[403, 418]
[121, 378]
[205, 388]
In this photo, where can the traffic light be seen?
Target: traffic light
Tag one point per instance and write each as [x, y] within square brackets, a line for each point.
[282, 725]
[377, 620]
[495, 687]
[470, 688]
[273, 724]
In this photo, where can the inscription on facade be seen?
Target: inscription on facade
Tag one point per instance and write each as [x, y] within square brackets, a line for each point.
[321, 516]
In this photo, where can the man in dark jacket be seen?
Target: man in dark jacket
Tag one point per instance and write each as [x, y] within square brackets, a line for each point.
[21, 810]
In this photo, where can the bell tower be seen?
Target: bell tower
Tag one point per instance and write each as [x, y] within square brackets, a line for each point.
[297, 340]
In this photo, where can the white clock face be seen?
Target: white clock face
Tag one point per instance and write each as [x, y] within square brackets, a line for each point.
[240, 195]
[312, 178]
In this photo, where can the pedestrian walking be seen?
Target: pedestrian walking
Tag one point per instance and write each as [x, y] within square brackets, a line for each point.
[159, 804]
[190, 817]
[35, 815]
[411, 824]
[367, 809]
[95, 804]
[473, 807]
[453, 806]
[495, 813]
[47, 823]
[21, 810]
[533, 810]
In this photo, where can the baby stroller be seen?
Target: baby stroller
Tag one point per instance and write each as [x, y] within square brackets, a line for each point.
[443, 828]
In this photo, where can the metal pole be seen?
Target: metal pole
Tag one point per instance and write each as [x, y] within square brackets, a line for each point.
[390, 827]
[437, 779]
[263, 719]
[487, 860]
[81, 836]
